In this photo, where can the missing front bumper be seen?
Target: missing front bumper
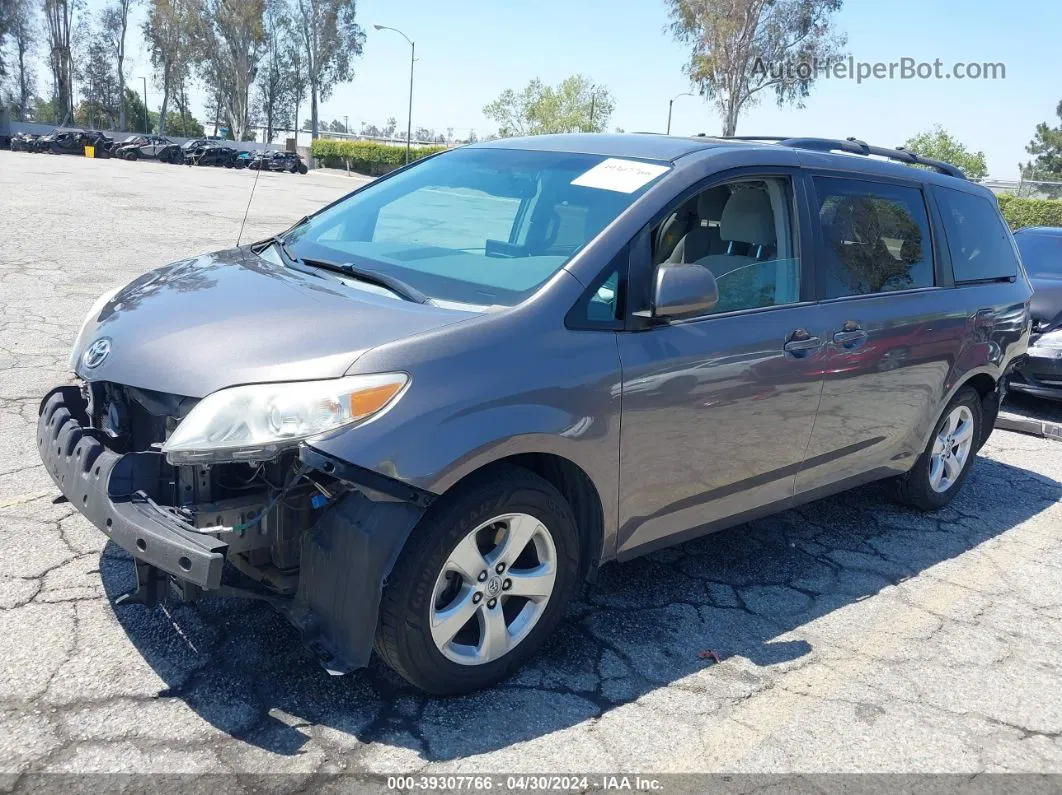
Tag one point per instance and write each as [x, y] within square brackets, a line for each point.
[344, 557]
[104, 485]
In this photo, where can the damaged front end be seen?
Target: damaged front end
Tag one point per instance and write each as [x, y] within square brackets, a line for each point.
[311, 535]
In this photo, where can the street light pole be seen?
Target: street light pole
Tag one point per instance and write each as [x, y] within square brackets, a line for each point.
[147, 122]
[412, 59]
[671, 102]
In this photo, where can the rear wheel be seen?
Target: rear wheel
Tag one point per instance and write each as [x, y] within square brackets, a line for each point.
[483, 580]
[943, 467]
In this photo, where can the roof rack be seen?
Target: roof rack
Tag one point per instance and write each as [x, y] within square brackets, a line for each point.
[853, 146]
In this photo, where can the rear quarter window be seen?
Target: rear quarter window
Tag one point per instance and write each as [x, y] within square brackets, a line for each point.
[979, 241]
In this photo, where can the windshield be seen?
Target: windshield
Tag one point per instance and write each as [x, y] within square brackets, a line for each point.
[477, 226]
[1041, 254]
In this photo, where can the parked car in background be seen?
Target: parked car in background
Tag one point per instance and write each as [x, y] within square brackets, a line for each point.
[1041, 253]
[42, 143]
[193, 144]
[279, 161]
[23, 142]
[73, 142]
[137, 139]
[209, 153]
[421, 417]
[150, 147]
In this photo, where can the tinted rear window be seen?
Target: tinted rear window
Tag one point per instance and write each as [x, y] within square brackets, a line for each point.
[978, 239]
[875, 237]
[1041, 254]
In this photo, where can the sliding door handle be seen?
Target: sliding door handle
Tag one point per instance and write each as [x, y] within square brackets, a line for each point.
[850, 339]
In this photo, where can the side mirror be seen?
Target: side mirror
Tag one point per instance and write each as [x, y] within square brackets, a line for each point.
[683, 290]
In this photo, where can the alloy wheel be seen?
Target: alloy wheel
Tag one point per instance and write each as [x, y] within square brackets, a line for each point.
[493, 589]
[951, 449]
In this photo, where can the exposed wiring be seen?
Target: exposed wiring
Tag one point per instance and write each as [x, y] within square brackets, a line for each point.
[296, 477]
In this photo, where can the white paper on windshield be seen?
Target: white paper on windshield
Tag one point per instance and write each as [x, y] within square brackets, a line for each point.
[622, 176]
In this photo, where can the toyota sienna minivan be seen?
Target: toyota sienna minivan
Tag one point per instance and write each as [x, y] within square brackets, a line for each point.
[418, 419]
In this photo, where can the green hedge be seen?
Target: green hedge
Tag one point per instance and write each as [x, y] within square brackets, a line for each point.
[1030, 212]
[366, 157]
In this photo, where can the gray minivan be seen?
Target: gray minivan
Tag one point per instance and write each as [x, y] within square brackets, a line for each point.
[418, 419]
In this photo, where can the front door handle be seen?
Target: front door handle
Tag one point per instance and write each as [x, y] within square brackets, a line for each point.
[849, 339]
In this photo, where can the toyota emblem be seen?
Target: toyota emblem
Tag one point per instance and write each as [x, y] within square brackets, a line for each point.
[96, 353]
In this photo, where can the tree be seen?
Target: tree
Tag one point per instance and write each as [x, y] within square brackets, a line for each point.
[136, 112]
[44, 111]
[574, 105]
[332, 39]
[21, 26]
[938, 144]
[1046, 146]
[6, 22]
[233, 39]
[172, 34]
[295, 75]
[59, 18]
[743, 47]
[273, 87]
[114, 24]
[100, 90]
[181, 125]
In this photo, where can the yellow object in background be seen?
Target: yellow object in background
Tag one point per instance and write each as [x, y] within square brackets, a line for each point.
[90, 151]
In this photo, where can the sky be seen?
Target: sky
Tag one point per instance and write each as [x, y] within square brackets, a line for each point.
[469, 51]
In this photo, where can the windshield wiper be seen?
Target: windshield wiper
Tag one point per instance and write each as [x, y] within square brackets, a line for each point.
[396, 286]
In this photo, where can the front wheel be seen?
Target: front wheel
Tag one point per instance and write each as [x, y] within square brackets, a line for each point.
[943, 467]
[483, 580]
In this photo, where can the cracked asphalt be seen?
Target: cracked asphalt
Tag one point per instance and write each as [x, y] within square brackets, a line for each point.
[853, 635]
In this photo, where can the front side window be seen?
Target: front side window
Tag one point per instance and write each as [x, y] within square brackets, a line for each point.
[742, 232]
[875, 237]
[978, 238]
[483, 227]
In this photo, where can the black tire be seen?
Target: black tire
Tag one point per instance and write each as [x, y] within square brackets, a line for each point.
[132, 155]
[302, 168]
[914, 488]
[403, 637]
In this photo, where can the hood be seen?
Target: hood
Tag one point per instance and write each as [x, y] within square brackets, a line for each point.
[232, 318]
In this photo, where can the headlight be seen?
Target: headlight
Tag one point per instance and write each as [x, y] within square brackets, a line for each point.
[257, 421]
[1052, 339]
[93, 313]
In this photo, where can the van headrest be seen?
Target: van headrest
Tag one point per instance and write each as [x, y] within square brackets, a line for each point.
[748, 218]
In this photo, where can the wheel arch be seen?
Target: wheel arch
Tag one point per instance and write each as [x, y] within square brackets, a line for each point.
[986, 384]
[578, 489]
